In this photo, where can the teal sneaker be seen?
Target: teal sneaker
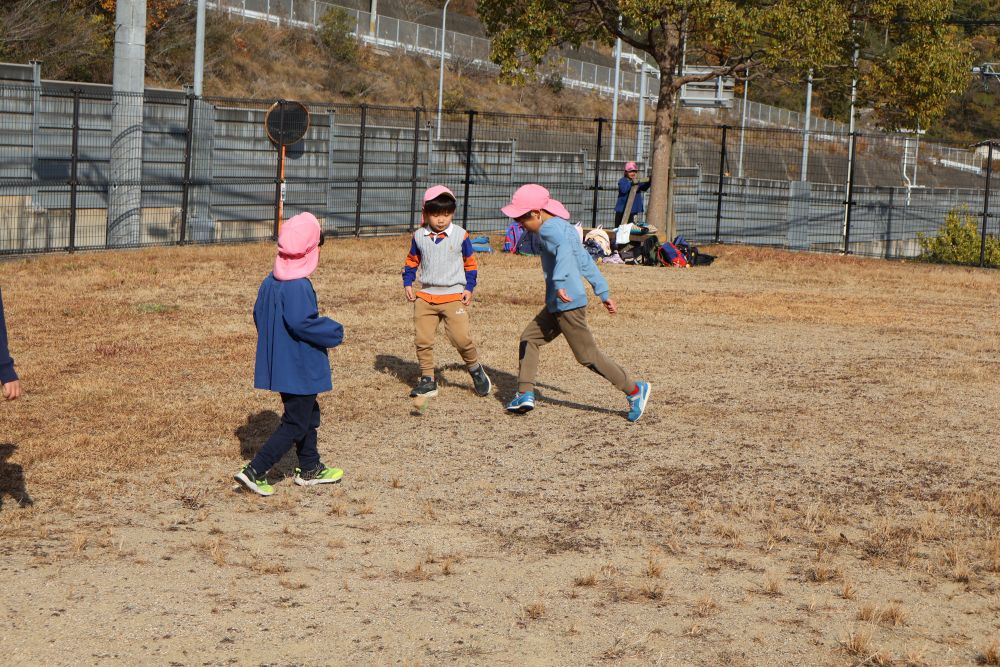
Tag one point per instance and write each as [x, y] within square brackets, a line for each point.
[249, 478]
[318, 475]
[637, 403]
[522, 402]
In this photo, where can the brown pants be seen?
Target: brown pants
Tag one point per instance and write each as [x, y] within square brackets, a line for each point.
[572, 324]
[456, 325]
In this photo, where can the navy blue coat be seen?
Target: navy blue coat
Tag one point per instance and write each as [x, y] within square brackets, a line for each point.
[624, 186]
[7, 373]
[292, 338]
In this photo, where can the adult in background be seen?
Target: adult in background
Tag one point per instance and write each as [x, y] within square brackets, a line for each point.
[625, 185]
[8, 377]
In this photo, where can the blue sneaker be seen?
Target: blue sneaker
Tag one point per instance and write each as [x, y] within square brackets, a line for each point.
[522, 402]
[637, 403]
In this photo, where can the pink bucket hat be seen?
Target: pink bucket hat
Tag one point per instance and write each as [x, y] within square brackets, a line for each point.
[533, 197]
[631, 166]
[436, 191]
[298, 247]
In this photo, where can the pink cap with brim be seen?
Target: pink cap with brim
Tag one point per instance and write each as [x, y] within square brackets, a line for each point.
[631, 166]
[437, 191]
[533, 197]
[298, 247]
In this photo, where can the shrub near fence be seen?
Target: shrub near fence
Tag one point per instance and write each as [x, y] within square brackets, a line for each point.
[205, 172]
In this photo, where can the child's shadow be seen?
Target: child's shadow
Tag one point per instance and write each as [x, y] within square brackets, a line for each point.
[12, 478]
[255, 432]
[504, 384]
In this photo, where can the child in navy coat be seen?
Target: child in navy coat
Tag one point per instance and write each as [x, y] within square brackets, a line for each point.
[292, 343]
[8, 376]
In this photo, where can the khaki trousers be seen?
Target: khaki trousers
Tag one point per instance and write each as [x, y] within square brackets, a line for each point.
[426, 317]
[572, 324]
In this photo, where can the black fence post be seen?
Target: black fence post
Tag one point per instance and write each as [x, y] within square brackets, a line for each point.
[361, 169]
[597, 172]
[277, 176]
[468, 170]
[413, 172]
[888, 226]
[722, 180]
[186, 191]
[74, 162]
[986, 203]
[850, 193]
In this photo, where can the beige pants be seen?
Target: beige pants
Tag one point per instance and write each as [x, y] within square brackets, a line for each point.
[456, 325]
[572, 324]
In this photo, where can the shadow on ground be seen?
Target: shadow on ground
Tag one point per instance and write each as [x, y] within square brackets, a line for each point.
[504, 384]
[254, 433]
[12, 478]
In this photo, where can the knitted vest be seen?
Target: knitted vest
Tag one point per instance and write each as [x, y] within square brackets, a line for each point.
[442, 268]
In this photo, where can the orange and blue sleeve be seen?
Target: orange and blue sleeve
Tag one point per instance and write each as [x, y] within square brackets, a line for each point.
[469, 263]
[411, 264]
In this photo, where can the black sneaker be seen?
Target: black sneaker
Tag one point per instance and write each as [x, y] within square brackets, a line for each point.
[249, 478]
[425, 387]
[481, 380]
[321, 474]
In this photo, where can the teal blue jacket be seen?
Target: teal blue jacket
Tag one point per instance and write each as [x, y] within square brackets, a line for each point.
[564, 263]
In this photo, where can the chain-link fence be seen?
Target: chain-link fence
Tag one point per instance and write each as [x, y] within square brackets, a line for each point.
[85, 168]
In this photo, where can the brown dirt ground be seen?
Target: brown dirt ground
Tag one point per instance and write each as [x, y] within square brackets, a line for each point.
[815, 482]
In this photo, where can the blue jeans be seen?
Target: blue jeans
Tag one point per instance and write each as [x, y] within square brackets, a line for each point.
[298, 427]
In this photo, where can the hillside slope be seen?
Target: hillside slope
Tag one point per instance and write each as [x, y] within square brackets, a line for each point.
[245, 58]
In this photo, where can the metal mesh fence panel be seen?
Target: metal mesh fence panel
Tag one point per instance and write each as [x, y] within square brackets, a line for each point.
[83, 168]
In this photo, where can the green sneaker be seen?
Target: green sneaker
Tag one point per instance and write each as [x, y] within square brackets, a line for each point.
[318, 475]
[248, 477]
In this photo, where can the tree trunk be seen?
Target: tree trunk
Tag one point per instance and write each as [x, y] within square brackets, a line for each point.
[658, 213]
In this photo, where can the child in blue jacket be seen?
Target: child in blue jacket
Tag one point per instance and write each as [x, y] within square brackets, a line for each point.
[292, 343]
[565, 264]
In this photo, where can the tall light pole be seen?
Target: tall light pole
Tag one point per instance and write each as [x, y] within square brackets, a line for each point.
[805, 132]
[125, 192]
[444, 18]
[743, 122]
[614, 105]
[642, 111]
[199, 49]
[850, 143]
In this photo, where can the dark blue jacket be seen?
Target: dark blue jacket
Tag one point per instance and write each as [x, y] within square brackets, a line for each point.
[292, 338]
[7, 373]
[624, 185]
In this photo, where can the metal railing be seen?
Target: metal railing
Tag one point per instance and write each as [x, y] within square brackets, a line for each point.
[473, 51]
[393, 33]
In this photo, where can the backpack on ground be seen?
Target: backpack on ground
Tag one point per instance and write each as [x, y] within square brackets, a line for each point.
[513, 237]
[521, 242]
[692, 254]
[689, 251]
[649, 252]
[669, 254]
[601, 238]
[594, 250]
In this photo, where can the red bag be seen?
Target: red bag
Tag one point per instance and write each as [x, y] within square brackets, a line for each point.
[670, 255]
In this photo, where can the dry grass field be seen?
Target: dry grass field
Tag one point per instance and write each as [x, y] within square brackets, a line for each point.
[815, 482]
